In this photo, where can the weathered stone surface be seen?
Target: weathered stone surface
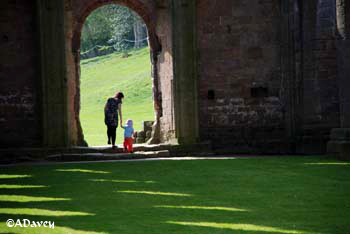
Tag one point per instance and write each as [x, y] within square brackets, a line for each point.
[264, 76]
[140, 140]
[147, 125]
[20, 117]
[338, 138]
[148, 135]
[345, 151]
[239, 50]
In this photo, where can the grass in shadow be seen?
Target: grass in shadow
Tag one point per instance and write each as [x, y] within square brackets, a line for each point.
[242, 227]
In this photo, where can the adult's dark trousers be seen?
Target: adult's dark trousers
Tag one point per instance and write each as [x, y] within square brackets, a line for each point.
[111, 133]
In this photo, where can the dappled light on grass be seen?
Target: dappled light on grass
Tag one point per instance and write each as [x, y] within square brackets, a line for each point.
[17, 186]
[123, 181]
[13, 176]
[44, 230]
[301, 199]
[238, 226]
[20, 198]
[329, 163]
[202, 208]
[41, 212]
[83, 171]
[156, 193]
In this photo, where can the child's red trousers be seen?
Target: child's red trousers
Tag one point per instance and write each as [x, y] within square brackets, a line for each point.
[128, 141]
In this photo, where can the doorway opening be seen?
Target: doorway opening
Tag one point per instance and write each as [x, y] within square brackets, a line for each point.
[114, 57]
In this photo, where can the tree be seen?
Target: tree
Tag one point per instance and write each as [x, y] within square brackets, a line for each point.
[96, 30]
[113, 25]
[140, 32]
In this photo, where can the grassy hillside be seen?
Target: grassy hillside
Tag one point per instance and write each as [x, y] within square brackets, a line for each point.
[101, 78]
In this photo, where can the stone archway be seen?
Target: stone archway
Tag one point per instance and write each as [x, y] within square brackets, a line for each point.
[144, 9]
[171, 26]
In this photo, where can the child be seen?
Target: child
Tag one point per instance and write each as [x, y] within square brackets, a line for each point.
[128, 136]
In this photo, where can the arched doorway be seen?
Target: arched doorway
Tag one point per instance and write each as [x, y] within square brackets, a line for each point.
[173, 56]
[114, 57]
[78, 19]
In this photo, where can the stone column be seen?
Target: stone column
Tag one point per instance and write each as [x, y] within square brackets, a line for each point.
[185, 70]
[50, 15]
[340, 137]
[291, 63]
[343, 56]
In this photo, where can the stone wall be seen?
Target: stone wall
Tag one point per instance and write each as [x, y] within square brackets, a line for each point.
[264, 77]
[20, 121]
[239, 74]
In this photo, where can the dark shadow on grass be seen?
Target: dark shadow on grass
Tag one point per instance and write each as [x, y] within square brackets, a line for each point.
[239, 227]
[328, 164]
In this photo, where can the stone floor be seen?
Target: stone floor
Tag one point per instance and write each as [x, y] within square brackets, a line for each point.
[100, 153]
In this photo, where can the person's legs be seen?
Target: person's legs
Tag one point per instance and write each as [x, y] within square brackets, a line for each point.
[113, 134]
[130, 145]
[109, 135]
[129, 142]
[125, 144]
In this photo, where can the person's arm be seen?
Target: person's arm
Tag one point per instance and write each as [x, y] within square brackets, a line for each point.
[105, 112]
[106, 106]
[120, 114]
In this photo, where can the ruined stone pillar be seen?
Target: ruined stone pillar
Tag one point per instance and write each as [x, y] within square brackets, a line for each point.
[53, 73]
[340, 137]
[343, 56]
[185, 71]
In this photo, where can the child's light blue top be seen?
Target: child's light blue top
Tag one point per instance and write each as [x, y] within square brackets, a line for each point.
[128, 129]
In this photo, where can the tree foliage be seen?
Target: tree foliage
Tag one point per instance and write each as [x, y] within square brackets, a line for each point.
[113, 25]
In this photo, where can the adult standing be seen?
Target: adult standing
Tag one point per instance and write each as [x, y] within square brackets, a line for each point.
[113, 108]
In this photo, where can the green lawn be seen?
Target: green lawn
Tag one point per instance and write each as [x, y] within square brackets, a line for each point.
[101, 77]
[251, 195]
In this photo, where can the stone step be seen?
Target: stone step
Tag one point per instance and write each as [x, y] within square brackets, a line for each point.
[68, 157]
[119, 148]
[14, 155]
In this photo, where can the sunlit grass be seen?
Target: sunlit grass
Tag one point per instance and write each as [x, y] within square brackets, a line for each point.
[83, 171]
[239, 226]
[156, 193]
[20, 198]
[122, 181]
[202, 208]
[13, 176]
[17, 186]
[41, 212]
